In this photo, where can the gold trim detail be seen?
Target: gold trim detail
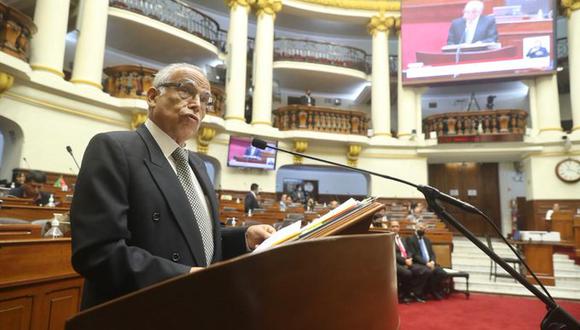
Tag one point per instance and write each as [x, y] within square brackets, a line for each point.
[86, 82]
[138, 119]
[559, 129]
[299, 146]
[380, 23]
[352, 154]
[47, 69]
[404, 134]
[382, 134]
[568, 6]
[66, 110]
[398, 24]
[235, 117]
[359, 4]
[242, 3]
[204, 137]
[6, 81]
[262, 123]
[268, 7]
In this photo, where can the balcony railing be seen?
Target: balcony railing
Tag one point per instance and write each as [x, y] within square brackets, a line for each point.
[16, 29]
[319, 119]
[133, 81]
[179, 15]
[477, 126]
[320, 52]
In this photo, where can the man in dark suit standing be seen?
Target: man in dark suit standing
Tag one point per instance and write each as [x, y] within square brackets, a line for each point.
[472, 27]
[144, 209]
[423, 254]
[411, 276]
[251, 199]
[306, 99]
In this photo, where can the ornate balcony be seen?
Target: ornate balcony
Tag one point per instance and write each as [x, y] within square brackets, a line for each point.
[133, 81]
[16, 29]
[477, 126]
[301, 50]
[179, 15]
[320, 119]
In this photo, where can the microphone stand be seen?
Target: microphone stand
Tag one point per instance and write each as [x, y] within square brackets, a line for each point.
[557, 318]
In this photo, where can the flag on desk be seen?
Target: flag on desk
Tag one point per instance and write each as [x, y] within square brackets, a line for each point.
[60, 183]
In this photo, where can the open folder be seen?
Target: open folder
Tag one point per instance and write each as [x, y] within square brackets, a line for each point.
[352, 217]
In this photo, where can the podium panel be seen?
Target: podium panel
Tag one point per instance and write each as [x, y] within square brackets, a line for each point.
[338, 282]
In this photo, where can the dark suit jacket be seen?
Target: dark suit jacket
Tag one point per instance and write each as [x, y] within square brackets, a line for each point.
[19, 192]
[398, 255]
[132, 225]
[304, 100]
[485, 31]
[250, 202]
[413, 243]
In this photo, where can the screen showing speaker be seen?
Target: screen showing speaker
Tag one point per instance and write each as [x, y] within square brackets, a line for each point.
[241, 153]
[458, 40]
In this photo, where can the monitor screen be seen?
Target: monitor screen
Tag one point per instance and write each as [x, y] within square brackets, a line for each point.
[241, 153]
[459, 40]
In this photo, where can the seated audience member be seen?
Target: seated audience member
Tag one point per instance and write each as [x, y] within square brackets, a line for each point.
[289, 201]
[282, 202]
[333, 204]
[380, 218]
[310, 204]
[410, 276]
[422, 251]
[416, 212]
[298, 195]
[19, 180]
[32, 188]
[251, 199]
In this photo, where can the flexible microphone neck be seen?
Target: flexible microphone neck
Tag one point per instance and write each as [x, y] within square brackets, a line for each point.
[69, 150]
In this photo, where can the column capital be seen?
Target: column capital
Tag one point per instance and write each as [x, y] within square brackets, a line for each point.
[269, 7]
[204, 137]
[299, 146]
[6, 81]
[352, 154]
[380, 23]
[569, 6]
[398, 25]
[241, 3]
[138, 119]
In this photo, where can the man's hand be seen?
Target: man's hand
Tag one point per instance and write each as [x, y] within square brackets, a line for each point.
[195, 269]
[431, 265]
[409, 262]
[257, 234]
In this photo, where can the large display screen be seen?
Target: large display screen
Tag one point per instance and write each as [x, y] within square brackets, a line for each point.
[457, 40]
[241, 153]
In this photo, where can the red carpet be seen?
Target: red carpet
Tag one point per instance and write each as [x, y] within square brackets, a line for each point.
[479, 312]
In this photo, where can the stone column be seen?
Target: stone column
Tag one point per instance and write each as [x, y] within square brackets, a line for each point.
[405, 98]
[264, 55]
[573, 12]
[237, 52]
[379, 27]
[533, 119]
[90, 51]
[48, 45]
[548, 105]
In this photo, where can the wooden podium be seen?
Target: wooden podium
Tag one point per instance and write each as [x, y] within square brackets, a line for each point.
[337, 282]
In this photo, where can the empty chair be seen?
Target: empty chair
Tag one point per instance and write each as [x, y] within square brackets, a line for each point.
[493, 265]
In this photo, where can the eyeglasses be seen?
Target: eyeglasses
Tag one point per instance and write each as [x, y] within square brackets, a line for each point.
[187, 89]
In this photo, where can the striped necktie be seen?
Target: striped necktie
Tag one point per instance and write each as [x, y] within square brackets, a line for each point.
[194, 194]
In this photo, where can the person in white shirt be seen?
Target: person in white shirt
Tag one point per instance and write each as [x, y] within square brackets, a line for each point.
[472, 27]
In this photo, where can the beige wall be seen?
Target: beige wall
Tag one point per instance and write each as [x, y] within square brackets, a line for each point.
[541, 179]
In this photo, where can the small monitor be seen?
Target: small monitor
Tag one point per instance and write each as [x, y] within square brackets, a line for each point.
[242, 154]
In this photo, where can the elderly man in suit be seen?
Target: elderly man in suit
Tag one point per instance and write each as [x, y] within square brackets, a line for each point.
[423, 254]
[144, 209]
[472, 27]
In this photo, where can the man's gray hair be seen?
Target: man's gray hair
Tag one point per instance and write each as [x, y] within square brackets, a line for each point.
[164, 75]
[477, 5]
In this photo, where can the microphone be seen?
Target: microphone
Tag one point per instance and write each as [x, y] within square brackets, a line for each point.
[26, 162]
[69, 149]
[556, 314]
[261, 144]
